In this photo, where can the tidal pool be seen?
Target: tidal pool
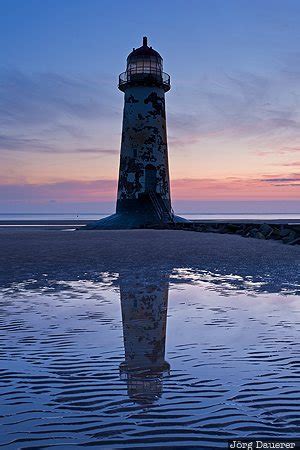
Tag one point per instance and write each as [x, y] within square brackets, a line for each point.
[159, 360]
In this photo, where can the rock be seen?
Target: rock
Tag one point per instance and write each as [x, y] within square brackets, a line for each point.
[212, 229]
[222, 228]
[233, 227]
[284, 232]
[247, 230]
[253, 232]
[288, 234]
[242, 229]
[276, 233]
[290, 237]
[294, 242]
[266, 230]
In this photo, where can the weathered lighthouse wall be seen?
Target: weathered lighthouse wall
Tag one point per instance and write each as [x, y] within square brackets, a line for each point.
[144, 151]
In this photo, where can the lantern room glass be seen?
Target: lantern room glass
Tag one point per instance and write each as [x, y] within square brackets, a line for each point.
[146, 64]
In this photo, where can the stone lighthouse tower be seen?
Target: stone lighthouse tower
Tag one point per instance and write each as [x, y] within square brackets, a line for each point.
[144, 187]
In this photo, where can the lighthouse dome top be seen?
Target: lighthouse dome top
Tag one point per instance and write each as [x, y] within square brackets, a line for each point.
[144, 52]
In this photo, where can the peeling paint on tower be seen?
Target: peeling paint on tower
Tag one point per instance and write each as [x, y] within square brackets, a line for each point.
[144, 143]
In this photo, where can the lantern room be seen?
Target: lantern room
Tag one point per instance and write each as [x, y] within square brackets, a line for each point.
[144, 68]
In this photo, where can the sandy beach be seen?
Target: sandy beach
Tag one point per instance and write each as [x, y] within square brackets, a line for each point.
[68, 255]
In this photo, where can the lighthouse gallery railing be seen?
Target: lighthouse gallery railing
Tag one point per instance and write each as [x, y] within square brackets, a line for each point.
[143, 75]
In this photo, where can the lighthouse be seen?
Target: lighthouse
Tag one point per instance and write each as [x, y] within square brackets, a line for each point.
[143, 197]
[144, 303]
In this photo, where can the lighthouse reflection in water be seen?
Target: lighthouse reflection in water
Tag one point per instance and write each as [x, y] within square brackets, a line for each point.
[144, 304]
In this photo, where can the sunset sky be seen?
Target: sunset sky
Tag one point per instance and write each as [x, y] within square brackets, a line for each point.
[233, 112]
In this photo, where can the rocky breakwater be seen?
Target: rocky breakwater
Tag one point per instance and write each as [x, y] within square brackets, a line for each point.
[285, 233]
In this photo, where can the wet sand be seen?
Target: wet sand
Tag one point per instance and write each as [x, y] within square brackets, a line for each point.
[146, 339]
[66, 255]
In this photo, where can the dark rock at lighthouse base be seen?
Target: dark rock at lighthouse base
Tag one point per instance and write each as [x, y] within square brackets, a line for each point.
[287, 233]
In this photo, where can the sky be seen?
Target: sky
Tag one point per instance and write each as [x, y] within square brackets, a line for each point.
[233, 112]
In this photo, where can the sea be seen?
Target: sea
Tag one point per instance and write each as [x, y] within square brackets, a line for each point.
[192, 216]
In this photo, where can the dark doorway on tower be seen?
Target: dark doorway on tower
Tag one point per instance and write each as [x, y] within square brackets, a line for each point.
[150, 178]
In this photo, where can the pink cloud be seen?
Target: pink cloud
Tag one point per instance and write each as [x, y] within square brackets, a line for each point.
[278, 151]
[279, 186]
[231, 188]
[290, 164]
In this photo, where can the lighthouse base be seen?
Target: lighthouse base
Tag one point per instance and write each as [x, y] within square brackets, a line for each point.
[149, 209]
[128, 221]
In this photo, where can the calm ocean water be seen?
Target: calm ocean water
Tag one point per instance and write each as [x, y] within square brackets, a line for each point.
[176, 361]
[194, 216]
